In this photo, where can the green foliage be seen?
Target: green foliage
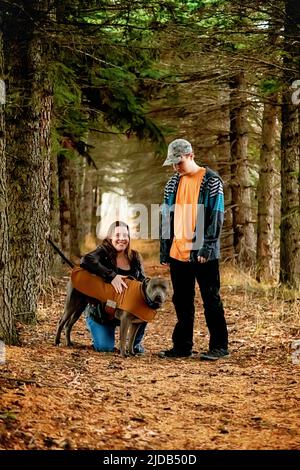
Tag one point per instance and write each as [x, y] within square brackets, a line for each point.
[269, 86]
[107, 75]
[155, 74]
[8, 415]
[69, 114]
[66, 90]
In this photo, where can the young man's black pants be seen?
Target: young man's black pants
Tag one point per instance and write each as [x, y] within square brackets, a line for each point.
[183, 276]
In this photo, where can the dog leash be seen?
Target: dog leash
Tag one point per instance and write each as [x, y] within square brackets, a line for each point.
[72, 265]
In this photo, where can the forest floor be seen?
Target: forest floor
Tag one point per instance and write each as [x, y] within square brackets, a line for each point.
[75, 398]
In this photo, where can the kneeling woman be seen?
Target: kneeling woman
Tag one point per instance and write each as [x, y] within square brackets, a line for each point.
[112, 260]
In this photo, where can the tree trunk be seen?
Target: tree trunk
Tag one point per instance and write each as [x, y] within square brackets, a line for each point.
[64, 202]
[8, 332]
[265, 193]
[290, 212]
[74, 203]
[28, 147]
[87, 203]
[243, 238]
[45, 179]
[55, 259]
[96, 202]
[81, 165]
[224, 168]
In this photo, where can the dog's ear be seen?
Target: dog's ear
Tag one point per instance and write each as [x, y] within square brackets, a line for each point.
[146, 281]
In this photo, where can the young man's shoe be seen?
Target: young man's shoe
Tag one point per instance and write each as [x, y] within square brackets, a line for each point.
[214, 354]
[173, 353]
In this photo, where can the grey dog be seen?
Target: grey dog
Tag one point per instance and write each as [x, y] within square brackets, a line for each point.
[155, 291]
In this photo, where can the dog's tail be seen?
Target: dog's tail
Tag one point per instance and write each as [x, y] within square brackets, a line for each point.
[72, 265]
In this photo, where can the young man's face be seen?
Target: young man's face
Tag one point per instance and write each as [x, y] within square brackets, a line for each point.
[183, 167]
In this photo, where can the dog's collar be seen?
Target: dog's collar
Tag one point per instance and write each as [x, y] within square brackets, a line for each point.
[149, 302]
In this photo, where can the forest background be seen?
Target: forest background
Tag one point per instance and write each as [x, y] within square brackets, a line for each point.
[92, 91]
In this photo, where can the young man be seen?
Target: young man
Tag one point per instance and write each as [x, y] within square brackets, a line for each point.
[192, 218]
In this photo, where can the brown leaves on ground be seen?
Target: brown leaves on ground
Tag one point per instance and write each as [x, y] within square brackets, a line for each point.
[75, 398]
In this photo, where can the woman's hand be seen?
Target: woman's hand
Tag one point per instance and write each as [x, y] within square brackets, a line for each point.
[118, 283]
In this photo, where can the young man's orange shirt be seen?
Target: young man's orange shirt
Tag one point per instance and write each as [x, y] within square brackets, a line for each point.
[185, 215]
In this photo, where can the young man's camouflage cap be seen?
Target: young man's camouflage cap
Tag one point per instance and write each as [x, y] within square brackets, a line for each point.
[176, 150]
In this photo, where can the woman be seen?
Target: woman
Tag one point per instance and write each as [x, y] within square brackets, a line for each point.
[113, 260]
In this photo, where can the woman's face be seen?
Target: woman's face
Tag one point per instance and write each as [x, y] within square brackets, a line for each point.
[120, 238]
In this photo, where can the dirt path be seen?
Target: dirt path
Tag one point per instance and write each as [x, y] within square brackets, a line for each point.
[75, 398]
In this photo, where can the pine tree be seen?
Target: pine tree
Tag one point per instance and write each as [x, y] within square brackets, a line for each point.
[28, 114]
[8, 331]
[290, 159]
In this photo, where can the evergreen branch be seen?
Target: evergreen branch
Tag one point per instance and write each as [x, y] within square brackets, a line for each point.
[97, 59]
[106, 132]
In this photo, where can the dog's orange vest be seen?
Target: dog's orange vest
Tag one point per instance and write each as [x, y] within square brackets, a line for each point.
[131, 299]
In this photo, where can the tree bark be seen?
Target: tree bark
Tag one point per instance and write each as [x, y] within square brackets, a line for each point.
[224, 168]
[244, 237]
[74, 206]
[265, 193]
[64, 202]
[96, 202]
[8, 331]
[55, 259]
[81, 165]
[290, 209]
[87, 203]
[28, 147]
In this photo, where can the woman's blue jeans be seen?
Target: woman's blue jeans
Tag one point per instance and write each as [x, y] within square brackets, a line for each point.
[103, 335]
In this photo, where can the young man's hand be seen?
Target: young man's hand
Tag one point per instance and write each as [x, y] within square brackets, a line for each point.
[201, 259]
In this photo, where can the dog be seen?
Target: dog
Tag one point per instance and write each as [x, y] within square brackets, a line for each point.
[155, 291]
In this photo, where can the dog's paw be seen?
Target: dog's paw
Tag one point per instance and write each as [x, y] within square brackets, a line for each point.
[124, 354]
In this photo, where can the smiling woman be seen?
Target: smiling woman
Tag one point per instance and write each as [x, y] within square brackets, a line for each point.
[118, 234]
[113, 261]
